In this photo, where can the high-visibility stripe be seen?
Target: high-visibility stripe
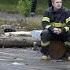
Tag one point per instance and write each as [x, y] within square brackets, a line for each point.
[67, 28]
[57, 24]
[68, 19]
[48, 26]
[45, 44]
[67, 43]
[46, 19]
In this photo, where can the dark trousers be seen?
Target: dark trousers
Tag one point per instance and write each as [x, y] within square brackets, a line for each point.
[49, 36]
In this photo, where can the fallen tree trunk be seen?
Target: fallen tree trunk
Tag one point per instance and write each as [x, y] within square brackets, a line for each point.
[20, 38]
[16, 42]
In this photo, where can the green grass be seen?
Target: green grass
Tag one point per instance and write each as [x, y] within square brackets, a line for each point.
[7, 7]
[67, 4]
[8, 1]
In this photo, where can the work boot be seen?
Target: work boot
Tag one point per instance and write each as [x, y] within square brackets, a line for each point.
[44, 57]
[68, 58]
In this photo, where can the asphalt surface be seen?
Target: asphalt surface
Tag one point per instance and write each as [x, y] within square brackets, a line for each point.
[27, 59]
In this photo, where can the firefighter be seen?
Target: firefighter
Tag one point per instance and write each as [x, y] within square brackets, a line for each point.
[55, 22]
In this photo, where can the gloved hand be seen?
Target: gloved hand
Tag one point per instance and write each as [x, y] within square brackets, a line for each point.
[57, 31]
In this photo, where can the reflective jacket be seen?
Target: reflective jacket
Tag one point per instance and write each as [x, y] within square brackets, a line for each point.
[60, 18]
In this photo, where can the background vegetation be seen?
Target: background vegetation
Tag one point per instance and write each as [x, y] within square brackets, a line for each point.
[24, 6]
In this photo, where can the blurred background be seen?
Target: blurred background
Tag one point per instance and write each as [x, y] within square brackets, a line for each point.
[24, 14]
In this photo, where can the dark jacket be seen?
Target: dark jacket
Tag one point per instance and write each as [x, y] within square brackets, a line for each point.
[60, 18]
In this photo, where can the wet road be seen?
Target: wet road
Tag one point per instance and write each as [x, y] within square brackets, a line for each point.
[27, 59]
